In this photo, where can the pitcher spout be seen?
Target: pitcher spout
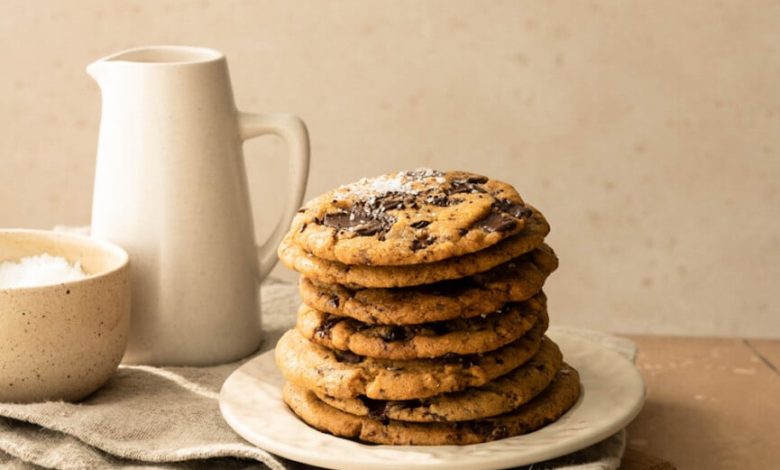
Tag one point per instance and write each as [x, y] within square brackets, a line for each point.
[153, 56]
[95, 70]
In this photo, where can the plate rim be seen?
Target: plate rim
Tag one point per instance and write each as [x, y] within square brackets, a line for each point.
[308, 456]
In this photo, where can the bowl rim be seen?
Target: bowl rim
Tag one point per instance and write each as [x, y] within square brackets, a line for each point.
[105, 245]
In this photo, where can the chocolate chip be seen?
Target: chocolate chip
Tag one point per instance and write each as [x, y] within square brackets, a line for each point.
[420, 224]
[334, 301]
[303, 227]
[348, 357]
[477, 179]
[496, 222]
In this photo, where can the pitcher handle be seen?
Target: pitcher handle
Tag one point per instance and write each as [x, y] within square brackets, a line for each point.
[293, 131]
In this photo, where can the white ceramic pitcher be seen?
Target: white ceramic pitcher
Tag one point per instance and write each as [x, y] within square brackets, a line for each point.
[171, 188]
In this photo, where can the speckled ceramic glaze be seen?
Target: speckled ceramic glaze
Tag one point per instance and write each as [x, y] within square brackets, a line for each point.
[63, 341]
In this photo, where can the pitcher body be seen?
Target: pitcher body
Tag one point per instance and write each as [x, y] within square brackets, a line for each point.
[171, 188]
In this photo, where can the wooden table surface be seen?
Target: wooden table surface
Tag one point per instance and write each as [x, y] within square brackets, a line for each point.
[711, 404]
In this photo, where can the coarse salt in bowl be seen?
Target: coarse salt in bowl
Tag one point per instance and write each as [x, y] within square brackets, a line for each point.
[39, 270]
[64, 314]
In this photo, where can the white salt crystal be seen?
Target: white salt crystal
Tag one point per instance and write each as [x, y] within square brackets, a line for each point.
[402, 182]
[38, 270]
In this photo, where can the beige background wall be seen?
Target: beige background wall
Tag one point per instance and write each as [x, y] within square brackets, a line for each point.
[648, 132]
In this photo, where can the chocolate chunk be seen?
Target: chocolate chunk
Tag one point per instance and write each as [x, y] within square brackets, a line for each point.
[323, 331]
[420, 224]
[516, 210]
[348, 357]
[405, 405]
[370, 227]
[422, 243]
[393, 333]
[496, 222]
[388, 202]
[360, 326]
[477, 179]
[438, 201]
[487, 428]
[360, 222]
[339, 220]
[465, 186]
[377, 409]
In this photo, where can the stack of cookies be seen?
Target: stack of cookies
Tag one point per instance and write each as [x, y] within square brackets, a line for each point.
[423, 318]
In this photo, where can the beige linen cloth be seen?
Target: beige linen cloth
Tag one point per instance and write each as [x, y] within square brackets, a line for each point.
[150, 417]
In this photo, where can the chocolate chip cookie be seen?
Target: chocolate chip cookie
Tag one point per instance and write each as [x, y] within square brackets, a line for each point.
[344, 374]
[502, 395]
[545, 408]
[516, 280]
[410, 217]
[333, 272]
[426, 340]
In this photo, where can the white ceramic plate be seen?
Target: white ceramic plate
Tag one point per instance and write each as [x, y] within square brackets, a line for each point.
[613, 394]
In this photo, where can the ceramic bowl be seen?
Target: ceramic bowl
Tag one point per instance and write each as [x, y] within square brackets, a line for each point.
[63, 341]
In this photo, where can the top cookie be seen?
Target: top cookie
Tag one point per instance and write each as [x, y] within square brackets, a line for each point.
[410, 217]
